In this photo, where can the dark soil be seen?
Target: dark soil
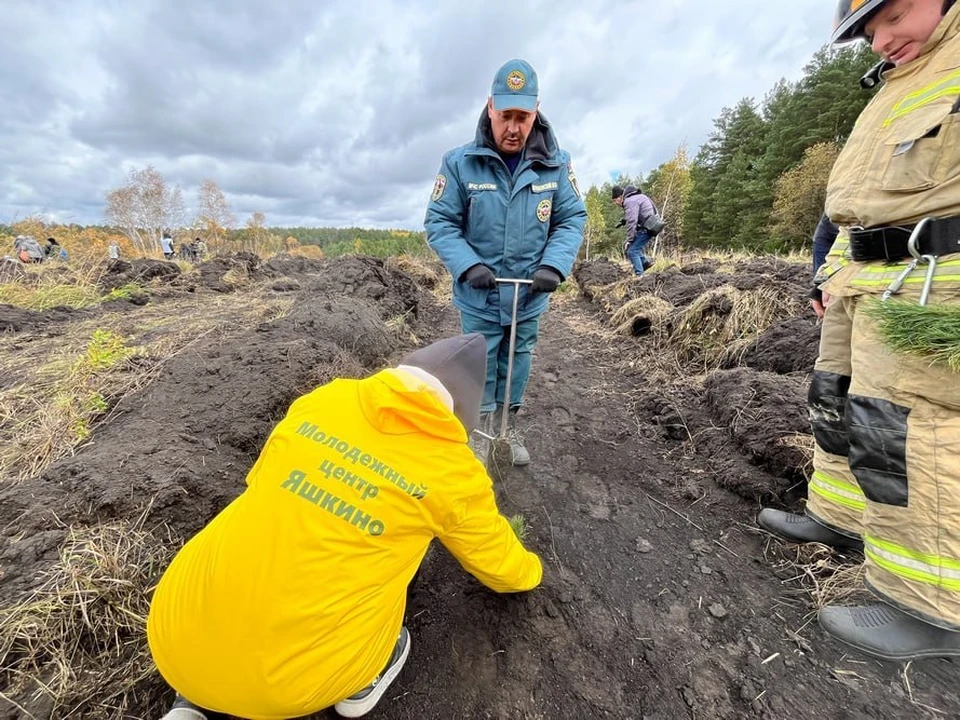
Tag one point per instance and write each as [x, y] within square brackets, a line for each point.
[658, 600]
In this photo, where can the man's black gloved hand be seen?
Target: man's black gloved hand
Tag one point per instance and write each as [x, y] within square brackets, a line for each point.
[545, 280]
[621, 223]
[480, 277]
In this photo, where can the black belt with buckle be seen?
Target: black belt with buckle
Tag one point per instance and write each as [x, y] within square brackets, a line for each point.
[940, 236]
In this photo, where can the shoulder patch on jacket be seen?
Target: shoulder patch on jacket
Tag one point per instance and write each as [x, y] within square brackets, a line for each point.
[572, 179]
[439, 186]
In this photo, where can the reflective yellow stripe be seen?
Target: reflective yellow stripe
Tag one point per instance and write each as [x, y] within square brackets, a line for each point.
[898, 560]
[933, 562]
[838, 491]
[883, 274]
[912, 280]
[899, 267]
[916, 100]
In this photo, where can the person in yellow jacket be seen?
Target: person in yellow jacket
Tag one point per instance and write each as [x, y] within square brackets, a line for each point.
[887, 422]
[292, 598]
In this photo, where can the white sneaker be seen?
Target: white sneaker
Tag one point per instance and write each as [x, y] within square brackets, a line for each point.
[359, 704]
[183, 709]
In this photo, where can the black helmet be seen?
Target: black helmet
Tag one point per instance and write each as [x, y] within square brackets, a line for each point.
[852, 15]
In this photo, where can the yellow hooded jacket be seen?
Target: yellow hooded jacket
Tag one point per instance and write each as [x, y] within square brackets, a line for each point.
[292, 598]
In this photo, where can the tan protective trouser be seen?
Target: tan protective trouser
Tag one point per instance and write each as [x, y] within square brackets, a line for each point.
[903, 421]
[834, 497]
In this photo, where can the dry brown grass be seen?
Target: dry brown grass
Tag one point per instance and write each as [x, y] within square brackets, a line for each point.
[648, 311]
[725, 320]
[611, 297]
[76, 647]
[56, 284]
[819, 572]
[54, 392]
[802, 442]
[418, 268]
[400, 328]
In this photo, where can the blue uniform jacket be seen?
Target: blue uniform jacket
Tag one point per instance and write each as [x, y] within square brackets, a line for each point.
[479, 213]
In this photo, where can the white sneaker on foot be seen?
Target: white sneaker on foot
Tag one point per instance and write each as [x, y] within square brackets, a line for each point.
[362, 702]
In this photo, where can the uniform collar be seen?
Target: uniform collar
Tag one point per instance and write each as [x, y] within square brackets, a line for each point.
[541, 145]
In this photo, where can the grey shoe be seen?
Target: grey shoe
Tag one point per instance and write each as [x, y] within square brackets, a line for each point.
[888, 633]
[804, 529]
[518, 452]
[478, 443]
[362, 702]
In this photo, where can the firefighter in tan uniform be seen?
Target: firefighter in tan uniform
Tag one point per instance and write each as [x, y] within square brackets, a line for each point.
[887, 424]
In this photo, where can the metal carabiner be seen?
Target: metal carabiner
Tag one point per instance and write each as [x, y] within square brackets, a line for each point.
[917, 257]
[931, 261]
[899, 279]
[915, 237]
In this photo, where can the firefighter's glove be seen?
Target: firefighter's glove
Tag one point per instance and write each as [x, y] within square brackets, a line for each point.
[481, 277]
[545, 280]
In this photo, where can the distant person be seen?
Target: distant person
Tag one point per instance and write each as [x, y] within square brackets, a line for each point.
[506, 205]
[113, 251]
[166, 245]
[54, 251]
[27, 249]
[292, 599]
[201, 249]
[637, 208]
[823, 239]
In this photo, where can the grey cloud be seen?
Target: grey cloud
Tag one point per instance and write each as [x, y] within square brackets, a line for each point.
[336, 113]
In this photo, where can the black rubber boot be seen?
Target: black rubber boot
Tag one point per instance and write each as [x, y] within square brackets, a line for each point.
[804, 529]
[885, 632]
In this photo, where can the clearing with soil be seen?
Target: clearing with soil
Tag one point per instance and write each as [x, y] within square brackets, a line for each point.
[662, 411]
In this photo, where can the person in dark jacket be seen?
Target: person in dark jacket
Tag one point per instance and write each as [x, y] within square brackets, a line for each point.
[823, 238]
[637, 207]
[506, 205]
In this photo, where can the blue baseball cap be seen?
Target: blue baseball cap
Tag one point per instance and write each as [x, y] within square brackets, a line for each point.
[515, 86]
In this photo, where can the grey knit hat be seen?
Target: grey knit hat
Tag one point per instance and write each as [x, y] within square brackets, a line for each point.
[460, 363]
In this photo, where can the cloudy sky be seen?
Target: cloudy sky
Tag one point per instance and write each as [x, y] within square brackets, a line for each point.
[320, 113]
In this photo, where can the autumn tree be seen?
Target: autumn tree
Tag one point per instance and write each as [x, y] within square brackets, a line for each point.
[800, 194]
[214, 215]
[669, 186]
[144, 207]
[596, 224]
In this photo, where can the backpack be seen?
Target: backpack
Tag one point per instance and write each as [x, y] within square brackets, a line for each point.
[654, 223]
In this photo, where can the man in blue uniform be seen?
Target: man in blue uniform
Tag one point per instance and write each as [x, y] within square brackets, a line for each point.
[506, 205]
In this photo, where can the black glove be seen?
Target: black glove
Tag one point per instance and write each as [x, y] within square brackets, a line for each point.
[622, 223]
[480, 277]
[545, 280]
[816, 293]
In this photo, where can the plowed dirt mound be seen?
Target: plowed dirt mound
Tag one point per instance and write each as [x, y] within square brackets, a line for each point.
[658, 600]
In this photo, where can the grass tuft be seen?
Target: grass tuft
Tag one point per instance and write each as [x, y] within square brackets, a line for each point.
[518, 523]
[930, 331]
[77, 645]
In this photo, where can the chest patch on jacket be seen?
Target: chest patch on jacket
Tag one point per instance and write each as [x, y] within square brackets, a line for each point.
[543, 209]
[481, 186]
[543, 187]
